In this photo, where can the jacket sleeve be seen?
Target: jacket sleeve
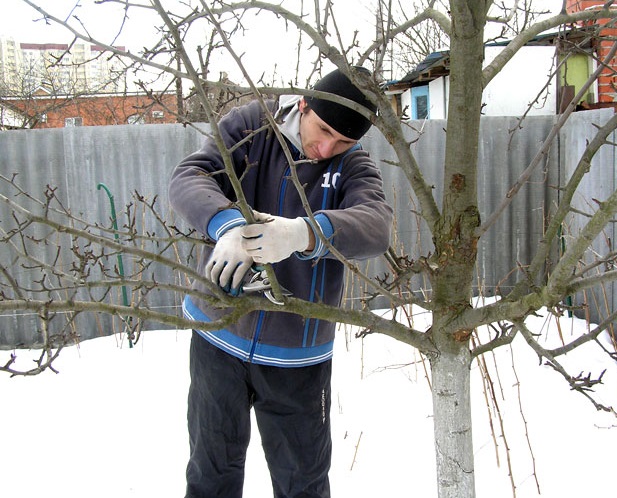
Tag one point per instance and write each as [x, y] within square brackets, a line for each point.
[200, 191]
[359, 228]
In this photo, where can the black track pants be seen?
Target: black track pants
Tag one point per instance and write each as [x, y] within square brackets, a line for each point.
[292, 408]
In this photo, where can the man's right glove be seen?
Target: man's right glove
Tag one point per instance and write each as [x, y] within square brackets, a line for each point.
[274, 238]
[229, 262]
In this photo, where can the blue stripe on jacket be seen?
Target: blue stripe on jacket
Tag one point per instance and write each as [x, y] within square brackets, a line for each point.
[262, 354]
[224, 220]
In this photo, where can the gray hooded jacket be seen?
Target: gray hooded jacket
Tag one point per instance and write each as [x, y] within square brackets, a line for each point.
[345, 194]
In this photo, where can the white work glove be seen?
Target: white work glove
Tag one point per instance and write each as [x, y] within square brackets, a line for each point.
[229, 262]
[274, 238]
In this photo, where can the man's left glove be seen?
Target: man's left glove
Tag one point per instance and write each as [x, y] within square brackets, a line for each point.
[229, 262]
[274, 238]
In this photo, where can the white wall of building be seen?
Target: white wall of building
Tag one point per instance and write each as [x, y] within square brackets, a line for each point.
[406, 103]
[438, 91]
[10, 119]
[521, 83]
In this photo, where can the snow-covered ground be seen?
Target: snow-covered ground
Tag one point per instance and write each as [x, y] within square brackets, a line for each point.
[112, 423]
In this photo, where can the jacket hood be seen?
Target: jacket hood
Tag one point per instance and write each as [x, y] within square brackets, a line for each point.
[288, 118]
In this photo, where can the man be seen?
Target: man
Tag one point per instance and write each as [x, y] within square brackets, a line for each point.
[275, 362]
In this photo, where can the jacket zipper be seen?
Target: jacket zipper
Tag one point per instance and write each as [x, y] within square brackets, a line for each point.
[260, 319]
[282, 191]
[261, 315]
[307, 326]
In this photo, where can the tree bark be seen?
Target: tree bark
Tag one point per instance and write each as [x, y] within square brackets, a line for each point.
[452, 423]
[455, 256]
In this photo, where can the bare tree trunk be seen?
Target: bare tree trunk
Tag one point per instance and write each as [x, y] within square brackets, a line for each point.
[452, 423]
[455, 255]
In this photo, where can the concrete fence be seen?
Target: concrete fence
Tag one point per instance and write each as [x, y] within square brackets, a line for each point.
[127, 159]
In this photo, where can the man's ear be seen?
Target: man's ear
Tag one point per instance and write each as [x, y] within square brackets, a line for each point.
[302, 105]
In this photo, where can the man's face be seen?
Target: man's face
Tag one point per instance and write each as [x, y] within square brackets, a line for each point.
[319, 140]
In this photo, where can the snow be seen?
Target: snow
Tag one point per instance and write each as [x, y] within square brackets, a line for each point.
[112, 423]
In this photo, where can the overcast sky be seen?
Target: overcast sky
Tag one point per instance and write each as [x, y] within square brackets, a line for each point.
[25, 24]
[263, 49]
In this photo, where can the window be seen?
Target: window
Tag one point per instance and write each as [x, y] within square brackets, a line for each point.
[421, 106]
[71, 122]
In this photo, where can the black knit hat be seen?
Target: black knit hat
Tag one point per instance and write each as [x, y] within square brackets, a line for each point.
[346, 121]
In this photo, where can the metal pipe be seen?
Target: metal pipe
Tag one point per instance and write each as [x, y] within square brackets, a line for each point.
[114, 222]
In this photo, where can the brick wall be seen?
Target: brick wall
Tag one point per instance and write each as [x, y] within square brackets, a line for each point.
[97, 110]
[607, 82]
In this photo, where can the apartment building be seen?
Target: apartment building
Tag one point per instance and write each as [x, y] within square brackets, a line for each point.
[78, 68]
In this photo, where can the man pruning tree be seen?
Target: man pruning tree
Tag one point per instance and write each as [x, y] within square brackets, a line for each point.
[278, 363]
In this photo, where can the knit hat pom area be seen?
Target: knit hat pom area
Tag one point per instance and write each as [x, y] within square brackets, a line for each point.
[346, 121]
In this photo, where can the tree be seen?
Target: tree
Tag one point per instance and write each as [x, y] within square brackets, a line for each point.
[454, 224]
